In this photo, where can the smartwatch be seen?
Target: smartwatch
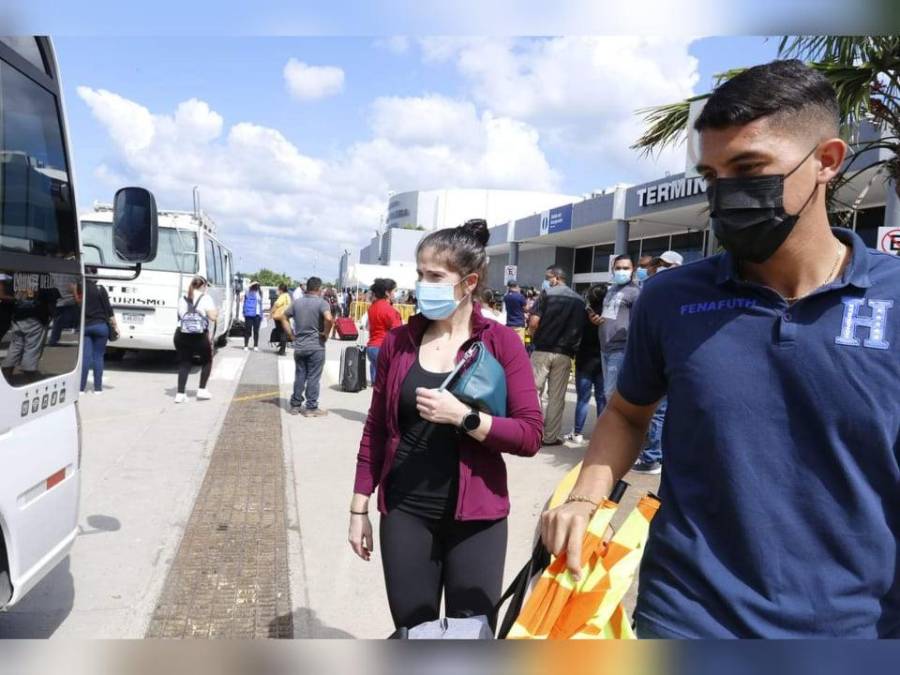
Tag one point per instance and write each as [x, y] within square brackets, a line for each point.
[471, 421]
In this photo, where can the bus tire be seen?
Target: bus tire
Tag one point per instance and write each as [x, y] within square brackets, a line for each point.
[115, 354]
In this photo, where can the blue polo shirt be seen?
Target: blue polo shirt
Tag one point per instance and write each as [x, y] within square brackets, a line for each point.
[781, 489]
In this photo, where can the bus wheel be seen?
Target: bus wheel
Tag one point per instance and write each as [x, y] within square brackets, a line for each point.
[115, 354]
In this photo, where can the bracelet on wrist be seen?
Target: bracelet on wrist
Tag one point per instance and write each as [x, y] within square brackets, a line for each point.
[359, 513]
[582, 498]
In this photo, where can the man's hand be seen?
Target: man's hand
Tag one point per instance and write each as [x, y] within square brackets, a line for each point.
[563, 529]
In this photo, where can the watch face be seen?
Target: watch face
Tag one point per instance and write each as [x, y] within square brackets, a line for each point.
[471, 421]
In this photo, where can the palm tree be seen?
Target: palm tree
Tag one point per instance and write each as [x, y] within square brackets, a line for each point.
[864, 73]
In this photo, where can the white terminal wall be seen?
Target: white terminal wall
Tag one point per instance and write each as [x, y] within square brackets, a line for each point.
[436, 209]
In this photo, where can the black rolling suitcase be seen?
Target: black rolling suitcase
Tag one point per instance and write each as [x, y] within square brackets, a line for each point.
[353, 369]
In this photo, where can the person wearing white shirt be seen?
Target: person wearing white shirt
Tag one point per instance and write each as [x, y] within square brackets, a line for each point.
[196, 312]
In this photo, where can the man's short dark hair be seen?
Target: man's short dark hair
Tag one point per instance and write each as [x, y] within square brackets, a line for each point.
[557, 272]
[512, 284]
[313, 284]
[790, 92]
[623, 257]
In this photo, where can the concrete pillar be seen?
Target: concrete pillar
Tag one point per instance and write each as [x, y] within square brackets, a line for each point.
[623, 229]
[513, 253]
[892, 205]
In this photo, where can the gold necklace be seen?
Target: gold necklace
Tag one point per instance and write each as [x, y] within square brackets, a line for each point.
[828, 280]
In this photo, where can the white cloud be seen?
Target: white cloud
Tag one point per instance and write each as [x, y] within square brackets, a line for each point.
[428, 119]
[581, 93]
[396, 44]
[306, 82]
[280, 207]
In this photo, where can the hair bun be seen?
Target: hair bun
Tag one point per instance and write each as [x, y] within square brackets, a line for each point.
[477, 229]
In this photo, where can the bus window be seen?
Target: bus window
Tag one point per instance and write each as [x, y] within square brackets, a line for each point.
[27, 47]
[39, 310]
[36, 212]
[176, 250]
[211, 274]
[219, 267]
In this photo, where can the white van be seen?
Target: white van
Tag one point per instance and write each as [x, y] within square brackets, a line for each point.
[147, 308]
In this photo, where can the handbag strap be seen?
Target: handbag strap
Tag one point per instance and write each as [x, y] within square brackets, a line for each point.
[515, 593]
[463, 362]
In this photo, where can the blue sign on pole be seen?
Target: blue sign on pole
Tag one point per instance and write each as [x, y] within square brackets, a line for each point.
[556, 220]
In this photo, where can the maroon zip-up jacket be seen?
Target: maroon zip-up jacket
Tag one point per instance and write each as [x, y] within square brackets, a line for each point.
[483, 493]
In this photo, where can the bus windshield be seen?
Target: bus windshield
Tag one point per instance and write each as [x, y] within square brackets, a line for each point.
[176, 251]
[36, 206]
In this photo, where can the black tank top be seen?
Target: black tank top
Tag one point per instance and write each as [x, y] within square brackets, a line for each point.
[424, 477]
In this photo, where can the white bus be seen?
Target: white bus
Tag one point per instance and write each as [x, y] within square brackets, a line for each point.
[147, 308]
[41, 283]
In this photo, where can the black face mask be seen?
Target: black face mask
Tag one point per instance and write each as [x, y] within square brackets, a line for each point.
[747, 214]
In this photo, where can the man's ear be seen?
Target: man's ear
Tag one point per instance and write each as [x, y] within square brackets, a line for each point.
[831, 155]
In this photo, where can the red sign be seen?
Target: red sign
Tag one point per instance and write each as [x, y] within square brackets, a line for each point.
[889, 240]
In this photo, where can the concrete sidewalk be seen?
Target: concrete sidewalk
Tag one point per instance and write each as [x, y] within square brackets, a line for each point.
[337, 594]
[144, 459]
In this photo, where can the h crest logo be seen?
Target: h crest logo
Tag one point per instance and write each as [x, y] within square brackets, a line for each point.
[875, 322]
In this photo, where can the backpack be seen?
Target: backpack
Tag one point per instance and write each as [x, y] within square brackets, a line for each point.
[193, 321]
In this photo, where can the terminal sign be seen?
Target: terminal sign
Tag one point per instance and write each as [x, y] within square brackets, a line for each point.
[889, 240]
[556, 220]
[667, 192]
[510, 273]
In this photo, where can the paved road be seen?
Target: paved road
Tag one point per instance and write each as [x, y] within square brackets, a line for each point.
[145, 465]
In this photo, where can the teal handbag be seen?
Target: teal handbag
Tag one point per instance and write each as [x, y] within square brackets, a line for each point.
[479, 380]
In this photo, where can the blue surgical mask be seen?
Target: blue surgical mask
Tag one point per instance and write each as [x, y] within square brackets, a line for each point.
[546, 285]
[621, 277]
[436, 301]
[641, 273]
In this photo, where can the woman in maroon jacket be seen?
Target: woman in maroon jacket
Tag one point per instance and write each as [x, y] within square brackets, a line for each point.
[443, 496]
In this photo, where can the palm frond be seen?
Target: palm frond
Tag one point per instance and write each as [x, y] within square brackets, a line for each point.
[665, 125]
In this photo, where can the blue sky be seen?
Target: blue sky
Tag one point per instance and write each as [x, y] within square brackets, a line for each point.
[409, 113]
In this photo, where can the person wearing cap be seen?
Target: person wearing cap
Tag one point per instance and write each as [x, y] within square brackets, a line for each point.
[668, 260]
[651, 457]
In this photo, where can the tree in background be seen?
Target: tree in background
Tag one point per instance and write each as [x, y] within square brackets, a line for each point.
[864, 73]
[267, 277]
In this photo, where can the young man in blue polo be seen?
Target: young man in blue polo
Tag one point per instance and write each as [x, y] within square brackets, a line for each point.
[781, 361]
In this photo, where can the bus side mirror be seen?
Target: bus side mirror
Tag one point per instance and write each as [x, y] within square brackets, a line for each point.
[135, 228]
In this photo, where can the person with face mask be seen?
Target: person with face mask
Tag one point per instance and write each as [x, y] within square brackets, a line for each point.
[644, 269]
[781, 361]
[437, 462]
[615, 320]
[556, 324]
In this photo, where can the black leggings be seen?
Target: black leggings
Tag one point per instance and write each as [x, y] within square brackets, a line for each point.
[423, 557]
[251, 325]
[187, 347]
